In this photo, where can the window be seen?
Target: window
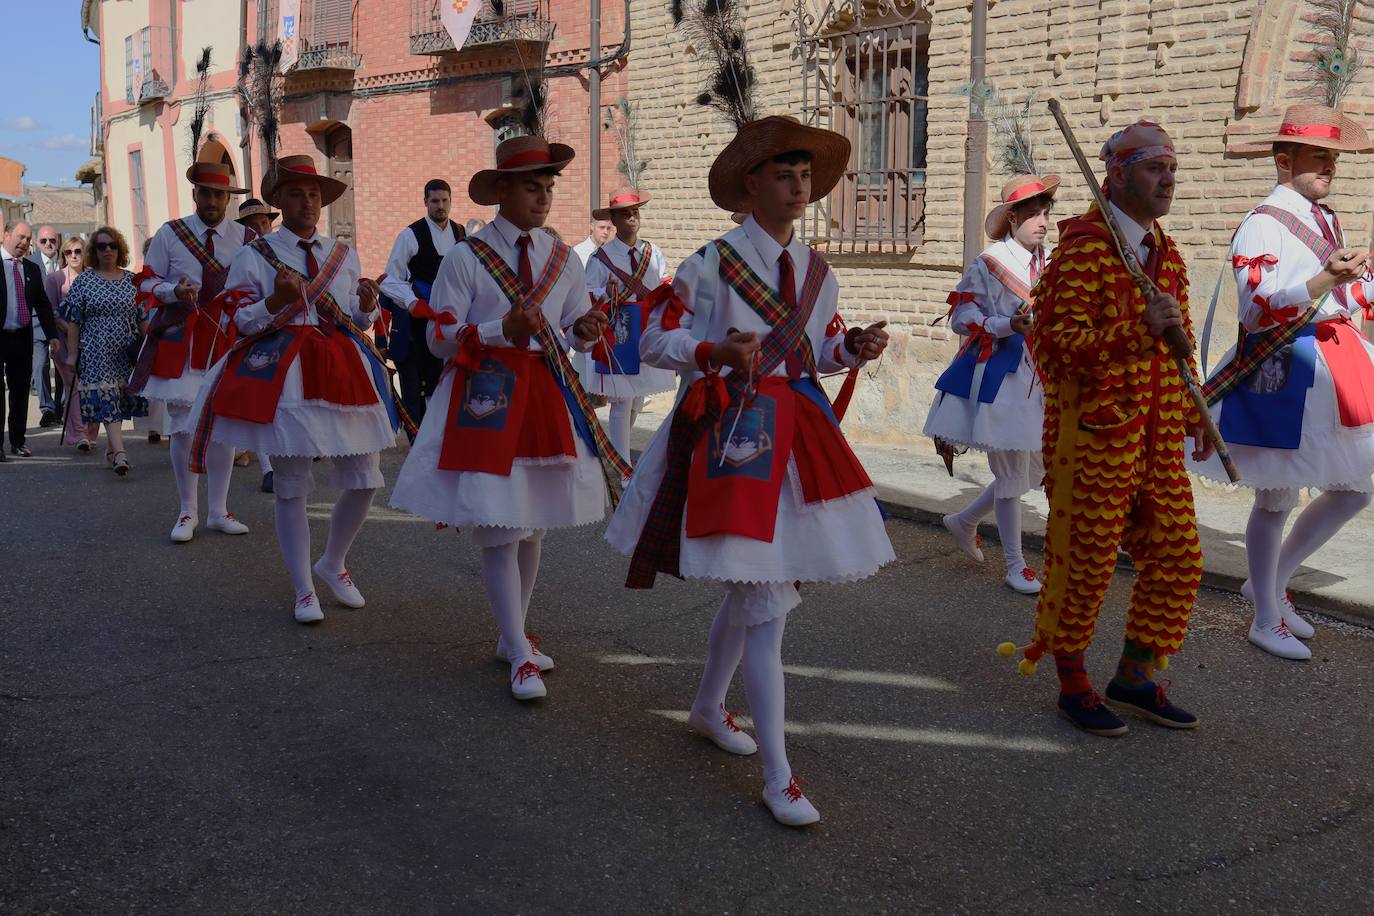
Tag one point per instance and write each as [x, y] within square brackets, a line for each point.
[506, 127]
[138, 198]
[868, 78]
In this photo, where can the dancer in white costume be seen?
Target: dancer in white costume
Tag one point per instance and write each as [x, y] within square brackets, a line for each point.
[500, 451]
[990, 399]
[622, 272]
[185, 271]
[303, 382]
[1301, 414]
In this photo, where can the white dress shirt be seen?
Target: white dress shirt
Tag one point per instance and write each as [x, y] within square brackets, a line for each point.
[993, 305]
[170, 260]
[1283, 284]
[7, 260]
[396, 286]
[251, 271]
[585, 249]
[676, 348]
[598, 274]
[465, 289]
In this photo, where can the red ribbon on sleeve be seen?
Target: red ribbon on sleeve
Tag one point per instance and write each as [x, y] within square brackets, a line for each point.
[980, 337]
[469, 354]
[698, 396]
[673, 306]
[1257, 264]
[1357, 293]
[147, 301]
[422, 309]
[1274, 316]
[955, 299]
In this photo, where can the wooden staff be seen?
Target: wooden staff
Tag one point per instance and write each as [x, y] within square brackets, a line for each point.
[1176, 339]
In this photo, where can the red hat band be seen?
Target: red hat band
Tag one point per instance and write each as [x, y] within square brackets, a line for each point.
[529, 157]
[1025, 191]
[625, 199]
[209, 177]
[1323, 131]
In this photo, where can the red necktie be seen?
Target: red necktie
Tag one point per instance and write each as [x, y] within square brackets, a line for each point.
[526, 271]
[210, 241]
[21, 302]
[1320, 216]
[787, 288]
[1151, 256]
[312, 266]
[211, 284]
[1037, 264]
[634, 262]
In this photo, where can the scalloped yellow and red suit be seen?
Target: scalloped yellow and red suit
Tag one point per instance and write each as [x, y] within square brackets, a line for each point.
[1116, 417]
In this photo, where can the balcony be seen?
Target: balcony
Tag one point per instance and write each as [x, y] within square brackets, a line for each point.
[523, 20]
[325, 33]
[149, 66]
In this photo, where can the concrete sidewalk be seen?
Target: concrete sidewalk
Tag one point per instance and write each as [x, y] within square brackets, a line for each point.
[912, 482]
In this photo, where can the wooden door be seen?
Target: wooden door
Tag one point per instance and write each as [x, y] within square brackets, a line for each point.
[340, 146]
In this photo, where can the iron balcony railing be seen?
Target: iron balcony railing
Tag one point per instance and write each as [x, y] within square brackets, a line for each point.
[325, 33]
[520, 20]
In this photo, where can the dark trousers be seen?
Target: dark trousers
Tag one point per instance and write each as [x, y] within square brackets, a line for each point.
[418, 374]
[16, 357]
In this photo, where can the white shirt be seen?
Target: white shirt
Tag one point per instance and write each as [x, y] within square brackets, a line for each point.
[585, 249]
[465, 289]
[11, 300]
[396, 286]
[1284, 284]
[676, 348]
[993, 304]
[251, 271]
[1134, 232]
[598, 274]
[170, 260]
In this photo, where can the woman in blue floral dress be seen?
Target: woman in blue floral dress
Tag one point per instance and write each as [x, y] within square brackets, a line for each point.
[103, 320]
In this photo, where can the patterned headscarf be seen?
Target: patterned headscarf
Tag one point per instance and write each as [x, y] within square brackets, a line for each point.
[1142, 140]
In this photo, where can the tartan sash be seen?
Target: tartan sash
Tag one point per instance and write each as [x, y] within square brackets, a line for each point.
[1004, 275]
[628, 283]
[212, 271]
[1271, 340]
[613, 466]
[660, 541]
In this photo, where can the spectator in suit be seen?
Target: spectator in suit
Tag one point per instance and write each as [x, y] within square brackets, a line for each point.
[44, 253]
[24, 299]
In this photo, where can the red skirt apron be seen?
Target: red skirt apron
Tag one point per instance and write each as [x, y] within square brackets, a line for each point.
[331, 371]
[1343, 347]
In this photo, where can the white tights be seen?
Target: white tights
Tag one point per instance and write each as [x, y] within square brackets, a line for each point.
[624, 412]
[293, 534]
[1274, 559]
[1008, 512]
[508, 573]
[760, 649]
[219, 464]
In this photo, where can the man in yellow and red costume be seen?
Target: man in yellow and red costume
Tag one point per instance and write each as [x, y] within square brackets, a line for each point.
[1116, 415]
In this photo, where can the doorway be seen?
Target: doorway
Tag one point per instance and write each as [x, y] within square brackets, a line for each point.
[338, 144]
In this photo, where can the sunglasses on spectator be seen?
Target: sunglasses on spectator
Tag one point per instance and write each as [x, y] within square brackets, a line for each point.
[73, 252]
[47, 241]
[106, 246]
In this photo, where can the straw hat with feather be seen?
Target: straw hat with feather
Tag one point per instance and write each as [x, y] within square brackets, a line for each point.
[1318, 125]
[623, 199]
[290, 169]
[517, 156]
[1018, 189]
[767, 138]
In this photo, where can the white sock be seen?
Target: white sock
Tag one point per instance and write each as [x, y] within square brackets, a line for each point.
[219, 465]
[763, 685]
[622, 418]
[726, 648]
[1008, 511]
[293, 535]
[1263, 535]
[265, 462]
[187, 482]
[501, 577]
[1318, 523]
[350, 511]
[527, 559]
[977, 510]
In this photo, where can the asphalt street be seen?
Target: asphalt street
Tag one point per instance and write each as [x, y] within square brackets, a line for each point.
[172, 742]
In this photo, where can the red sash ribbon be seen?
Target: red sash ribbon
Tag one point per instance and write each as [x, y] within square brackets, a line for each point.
[1344, 349]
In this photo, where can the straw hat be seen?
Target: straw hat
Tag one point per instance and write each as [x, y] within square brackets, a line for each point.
[217, 176]
[296, 168]
[254, 207]
[516, 155]
[1022, 187]
[624, 199]
[1317, 125]
[764, 139]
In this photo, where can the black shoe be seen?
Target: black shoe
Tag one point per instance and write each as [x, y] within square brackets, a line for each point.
[1088, 712]
[3, 459]
[154, 438]
[266, 483]
[47, 419]
[1151, 702]
[22, 451]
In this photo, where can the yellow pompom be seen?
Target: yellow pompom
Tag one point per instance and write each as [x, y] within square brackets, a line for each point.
[1006, 649]
[1161, 663]
[1026, 667]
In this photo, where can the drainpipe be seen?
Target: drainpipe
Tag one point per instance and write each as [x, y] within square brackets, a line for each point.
[594, 102]
[246, 141]
[976, 146]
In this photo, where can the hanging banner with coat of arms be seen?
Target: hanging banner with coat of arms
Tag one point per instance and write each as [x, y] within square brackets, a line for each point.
[457, 17]
[288, 28]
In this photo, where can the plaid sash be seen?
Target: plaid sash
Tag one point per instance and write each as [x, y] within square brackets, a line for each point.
[629, 284]
[1003, 274]
[213, 273]
[660, 542]
[613, 466]
[1271, 340]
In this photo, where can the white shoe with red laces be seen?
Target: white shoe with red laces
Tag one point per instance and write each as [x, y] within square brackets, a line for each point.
[1297, 624]
[544, 662]
[341, 584]
[526, 680]
[789, 806]
[1276, 640]
[308, 609]
[226, 524]
[719, 726]
[969, 541]
[184, 529]
[1023, 581]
